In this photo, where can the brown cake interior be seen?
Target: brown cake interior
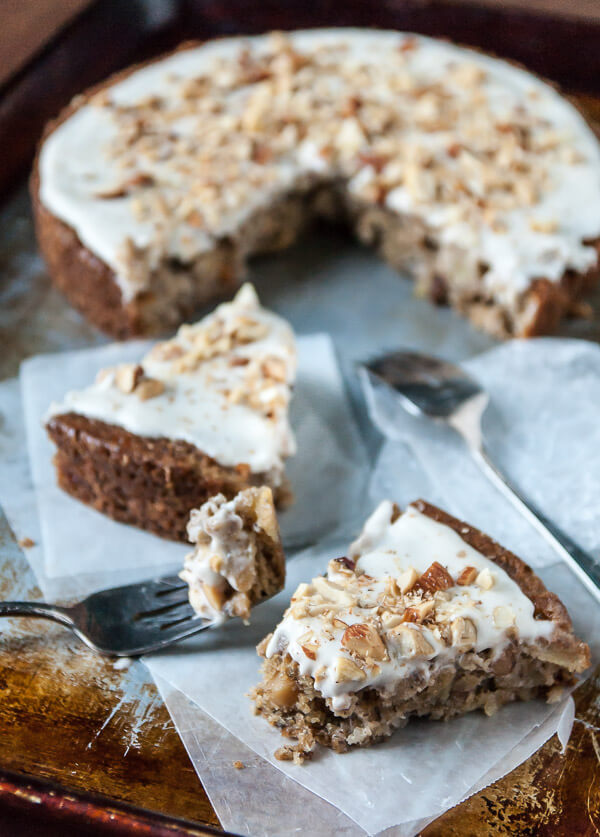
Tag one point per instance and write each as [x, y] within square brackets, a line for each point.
[255, 507]
[149, 483]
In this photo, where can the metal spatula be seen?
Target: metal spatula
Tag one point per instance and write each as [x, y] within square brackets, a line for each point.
[444, 392]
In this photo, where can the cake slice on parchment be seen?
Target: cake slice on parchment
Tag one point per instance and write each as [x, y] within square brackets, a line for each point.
[238, 559]
[427, 616]
[201, 414]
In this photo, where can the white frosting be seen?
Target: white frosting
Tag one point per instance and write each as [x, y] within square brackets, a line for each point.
[223, 559]
[386, 550]
[76, 162]
[227, 405]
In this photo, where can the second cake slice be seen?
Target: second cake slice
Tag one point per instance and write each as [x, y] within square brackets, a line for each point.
[201, 414]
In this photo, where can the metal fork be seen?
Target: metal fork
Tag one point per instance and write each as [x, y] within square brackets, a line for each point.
[124, 621]
[431, 387]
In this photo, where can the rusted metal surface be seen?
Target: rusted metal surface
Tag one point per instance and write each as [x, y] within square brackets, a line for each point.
[550, 795]
[68, 716]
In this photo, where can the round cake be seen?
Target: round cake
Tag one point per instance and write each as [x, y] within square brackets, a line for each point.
[473, 176]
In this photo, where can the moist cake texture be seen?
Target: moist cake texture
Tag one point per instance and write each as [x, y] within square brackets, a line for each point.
[237, 559]
[471, 174]
[426, 616]
[203, 413]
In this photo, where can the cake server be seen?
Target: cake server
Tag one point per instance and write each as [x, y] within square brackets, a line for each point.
[427, 386]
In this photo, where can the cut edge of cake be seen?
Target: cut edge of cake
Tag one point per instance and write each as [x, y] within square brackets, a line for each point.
[357, 655]
[237, 560]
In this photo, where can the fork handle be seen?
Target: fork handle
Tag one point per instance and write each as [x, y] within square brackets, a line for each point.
[579, 561]
[37, 609]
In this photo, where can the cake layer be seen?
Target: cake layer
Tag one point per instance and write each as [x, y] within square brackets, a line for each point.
[173, 175]
[238, 559]
[426, 616]
[146, 482]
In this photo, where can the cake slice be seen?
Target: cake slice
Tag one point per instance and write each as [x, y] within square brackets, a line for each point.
[426, 616]
[201, 414]
[237, 559]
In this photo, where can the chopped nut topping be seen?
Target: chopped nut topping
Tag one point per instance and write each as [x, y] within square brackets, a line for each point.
[419, 612]
[274, 367]
[127, 377]
[348, 563]
[467, 576]
[485, 579]
[149, 388]
[464, 633]
[504, 616]
[410, 641]
[363, 640]
[407, 580]
[435, 578]
[346, 670]
[287, 101]
[332, 592]
[390, 620]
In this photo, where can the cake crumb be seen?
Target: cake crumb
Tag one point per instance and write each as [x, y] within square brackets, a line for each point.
[26, 543]
[239, 765]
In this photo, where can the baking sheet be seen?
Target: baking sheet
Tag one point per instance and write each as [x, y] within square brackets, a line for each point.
[326, 283]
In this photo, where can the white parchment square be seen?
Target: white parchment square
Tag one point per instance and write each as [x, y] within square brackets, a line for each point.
[327, 488]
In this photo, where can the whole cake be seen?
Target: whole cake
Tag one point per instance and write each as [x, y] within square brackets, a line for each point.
[238, 559]
[426, 616]
[201, 414]
[474, 176]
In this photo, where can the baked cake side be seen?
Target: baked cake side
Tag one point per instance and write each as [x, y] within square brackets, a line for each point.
[201, 414]
[425, 617]
[472, 175]
[237, 559]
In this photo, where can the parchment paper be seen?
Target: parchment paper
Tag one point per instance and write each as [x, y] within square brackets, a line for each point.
[420, 763]
[541, 428]
[328, 487]
[426, 755]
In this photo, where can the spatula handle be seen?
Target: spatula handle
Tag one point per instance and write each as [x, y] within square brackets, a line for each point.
[579, 561]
